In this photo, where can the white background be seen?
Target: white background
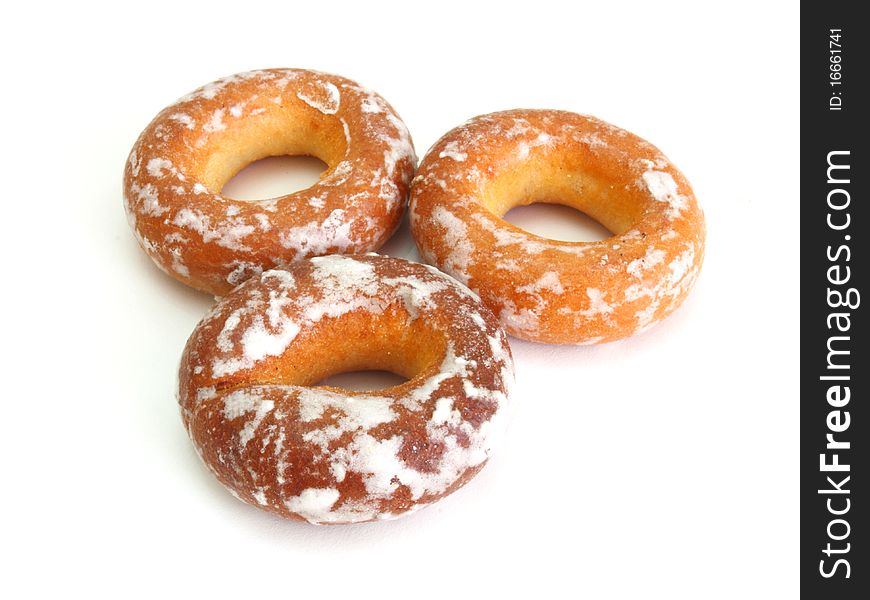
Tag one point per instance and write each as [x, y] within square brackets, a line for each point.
[662, 466]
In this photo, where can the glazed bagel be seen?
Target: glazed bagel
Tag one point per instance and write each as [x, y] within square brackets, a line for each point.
[179, 165]
[250, 400]
[546, 290]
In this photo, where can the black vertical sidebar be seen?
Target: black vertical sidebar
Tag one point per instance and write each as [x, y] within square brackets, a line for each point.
[835, 362]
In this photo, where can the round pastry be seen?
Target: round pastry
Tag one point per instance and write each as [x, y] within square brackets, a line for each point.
[250, 400]
[179, 165]
[553, 291]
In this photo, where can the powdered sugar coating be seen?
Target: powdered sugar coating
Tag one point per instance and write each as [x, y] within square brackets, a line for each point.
[175, 169]
[328, 455]
[548, 290]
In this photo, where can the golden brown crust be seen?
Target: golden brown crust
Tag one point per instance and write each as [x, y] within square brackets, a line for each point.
[250, 402]
[180, 163]
[546, 290]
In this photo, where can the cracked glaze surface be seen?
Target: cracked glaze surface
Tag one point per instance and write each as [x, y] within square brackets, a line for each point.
[547, 290]
[275, 439]
[178, 166]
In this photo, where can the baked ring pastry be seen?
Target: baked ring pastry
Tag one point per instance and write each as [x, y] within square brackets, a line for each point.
[276, 440]
[553, 291]
[180, 163]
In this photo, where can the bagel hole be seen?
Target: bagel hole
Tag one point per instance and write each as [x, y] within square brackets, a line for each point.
[273, 177]
[557, 222]
[362, 351]
[364, 381]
